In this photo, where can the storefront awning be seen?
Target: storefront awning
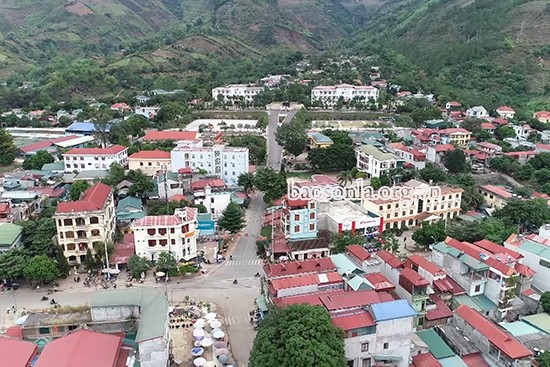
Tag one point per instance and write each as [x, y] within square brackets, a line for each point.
[379, 357]
[260, 302]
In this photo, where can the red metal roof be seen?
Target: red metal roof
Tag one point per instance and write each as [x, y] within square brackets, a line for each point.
[178, 197]
[379, 281]
[115, 149]
[505, 109]
[15, 331]
[424, 264]
[49, 191]
[496, 335]
[352, 321]
[4, 208]
[93, 200]
[123, 250]
[476, 252]
[442, 311]
[290, 268]
[312, 299]
[359, 252]
[524, 270]
[412, 276]
[542, 114]
[389, 259]
[170, 135]
[45, 144]
[497, 191]
[487, 126]
[350, 300]
[475, 360]
[83, 348]
[520, 154]
[150, 154]
[497, 249]
[213, 183]
[444, 148]
[425, 360]
[305, 280]
[17, 353]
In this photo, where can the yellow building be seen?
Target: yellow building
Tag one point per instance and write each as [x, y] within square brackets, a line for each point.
[443, 203]
[495, 196]
[84, 223]
[457, 136]
[150, 161]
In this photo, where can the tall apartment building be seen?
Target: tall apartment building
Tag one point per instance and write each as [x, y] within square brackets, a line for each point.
[374, 162]
[95, 159]
[330, 95]
[175, 233]
[299, 219]
[397, 213]
[235, 92]
[226, 162]
[84, 223]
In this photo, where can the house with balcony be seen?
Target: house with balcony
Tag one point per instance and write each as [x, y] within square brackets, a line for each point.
[390, 265]
[95, 159]
[489, 148]
[477, 112]
[506, 112]
[456, 136]
[495, 196]
[535, 251]
[299, 219]
[375, 162]
[414, 288]
[410, 155]
[85, 223]
[175, 233]
[494, 342]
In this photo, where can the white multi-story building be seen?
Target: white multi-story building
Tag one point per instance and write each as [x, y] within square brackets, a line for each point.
[148, 112]
[410, 155]
[215, 201]
[95, 159]
[84, 223]
[329, 95]
[226, 162]
[167, 233]
[375, 162]
[236, 92]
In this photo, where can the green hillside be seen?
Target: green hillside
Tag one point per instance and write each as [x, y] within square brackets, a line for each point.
[480, 51]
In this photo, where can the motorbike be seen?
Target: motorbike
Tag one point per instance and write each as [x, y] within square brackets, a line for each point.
[257, 275]
[52, 302]
[44, 298]
[235, 281]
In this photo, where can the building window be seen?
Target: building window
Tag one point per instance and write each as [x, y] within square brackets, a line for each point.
[544, 263]
[312, 227]
[364, 347]
[477, 288]
[366, 362]
[311, 215]
[152, 243]
[297, 229]
[44, 330]
[296, 217]
[386, 345]
[72, 327]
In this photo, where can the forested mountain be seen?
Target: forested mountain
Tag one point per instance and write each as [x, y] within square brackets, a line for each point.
[480, 51]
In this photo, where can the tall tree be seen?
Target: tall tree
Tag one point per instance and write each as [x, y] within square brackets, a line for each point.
[41, 269]
[116, 175]
[38, 236]
[525, 214]
[273, 184]
[430, 233]
[298, 336]
[246, 181]
[292, 137]
[62, 263]
[232, 218]
[12, 263]
[389, 242]
[345, 177]
[432, 173]
[141, 183]
[455, 161]
[167, 264]
[37, 160]
[77, 188]
[138, 265]
[7, 147]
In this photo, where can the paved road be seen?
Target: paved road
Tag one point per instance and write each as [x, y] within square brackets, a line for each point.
[235, 300]
[274, 150]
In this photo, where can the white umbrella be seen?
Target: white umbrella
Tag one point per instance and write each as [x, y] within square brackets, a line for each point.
[199, 362]
[199, 324]
[115, 271]
[221, 352]
[198, 332]
[215, 330]
[105, 271]
[21, 320]
[210, 316]
[215, 324]
[160, 274]
[218, 334]
[206, 342]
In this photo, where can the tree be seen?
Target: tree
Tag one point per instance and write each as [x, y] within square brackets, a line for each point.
[430, 233]
[273, 184]
[37, 160]
[138, 265]
[12, 263]
[99, 248]
[337, 157]
[376, 183]
[455, 161]
[298, 336]
[141, 183]
[525, 214]
[232, 218]
[503, 131]
[91, 264]
[544, 359]
[340, 241]
[257, 147]
[167, 264]
[246, 181]
[77, 188]
[62, 263]
[545, 302]
[116, 175]
[7, 147]
[292, 137]
[432, 173]
[38, 236]
[389, 242]
[345, 177]
[41, 269]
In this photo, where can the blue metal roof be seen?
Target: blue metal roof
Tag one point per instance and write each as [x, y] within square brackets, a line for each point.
[86, 126]
[392, 310]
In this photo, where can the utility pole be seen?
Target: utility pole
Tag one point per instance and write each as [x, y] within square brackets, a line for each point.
[107, 261]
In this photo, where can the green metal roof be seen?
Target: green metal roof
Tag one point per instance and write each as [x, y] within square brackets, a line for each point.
[55, 166]
[536, 248]
[380, 357]
[358, 282]
[319, 138]
[519, 328]
[484, 302]
[260, 302]
[345, 265]
[479, 303]
[540, 320]
[454, 361]
[473, 263]
[446, 249]
[377, 153]
[437, 346]
[153, 319]
[9, 233]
